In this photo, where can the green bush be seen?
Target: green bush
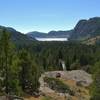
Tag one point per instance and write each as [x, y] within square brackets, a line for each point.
[95, 89]
[58, 85]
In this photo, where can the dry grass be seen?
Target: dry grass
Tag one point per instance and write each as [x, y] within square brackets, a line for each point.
[91, 41]
[33, 98]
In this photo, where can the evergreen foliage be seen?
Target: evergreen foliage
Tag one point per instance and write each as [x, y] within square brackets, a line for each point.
[21, 66]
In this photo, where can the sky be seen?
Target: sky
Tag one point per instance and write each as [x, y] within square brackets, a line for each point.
[46, 15]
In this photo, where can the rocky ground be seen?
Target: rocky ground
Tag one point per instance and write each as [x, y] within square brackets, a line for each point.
[77, 80]
[77, 75]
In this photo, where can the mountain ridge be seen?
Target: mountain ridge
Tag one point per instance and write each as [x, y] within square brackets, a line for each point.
[17, 37]
[51, 34]
[85, 28]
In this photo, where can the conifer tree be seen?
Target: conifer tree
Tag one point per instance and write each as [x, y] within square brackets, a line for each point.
[29, 73]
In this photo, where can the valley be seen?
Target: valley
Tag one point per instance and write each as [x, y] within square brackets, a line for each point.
[51, 66]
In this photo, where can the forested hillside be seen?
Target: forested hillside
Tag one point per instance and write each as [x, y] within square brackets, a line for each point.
[20, 68]
[16, 37]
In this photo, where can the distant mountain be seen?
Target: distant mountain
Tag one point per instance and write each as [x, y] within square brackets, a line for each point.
[86, 28]
[36, 34]
[17, 37]
[61, 34]
[51, 34]
[83, 30]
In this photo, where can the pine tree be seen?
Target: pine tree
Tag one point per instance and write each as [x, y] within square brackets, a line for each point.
[95, 90]
[5, 50]
[29, 73]
[9, 72]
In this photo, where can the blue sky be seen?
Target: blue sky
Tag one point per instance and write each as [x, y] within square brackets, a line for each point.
[46, 15]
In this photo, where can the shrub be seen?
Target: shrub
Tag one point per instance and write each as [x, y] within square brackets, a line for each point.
[58, 85]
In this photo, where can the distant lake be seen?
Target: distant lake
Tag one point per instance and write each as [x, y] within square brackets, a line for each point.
[52, 39]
